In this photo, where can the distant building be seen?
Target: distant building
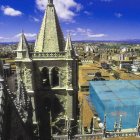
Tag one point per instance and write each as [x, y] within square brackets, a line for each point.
[136, 65]
[124, 60]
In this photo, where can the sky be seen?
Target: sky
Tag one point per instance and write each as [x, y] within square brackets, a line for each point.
[84, 19]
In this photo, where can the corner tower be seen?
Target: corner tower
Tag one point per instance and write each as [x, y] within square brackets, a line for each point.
[53, 74]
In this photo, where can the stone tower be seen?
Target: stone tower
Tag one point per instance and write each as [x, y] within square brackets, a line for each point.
[49, 74]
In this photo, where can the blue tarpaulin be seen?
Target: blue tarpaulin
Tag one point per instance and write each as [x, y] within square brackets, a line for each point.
[115, 98]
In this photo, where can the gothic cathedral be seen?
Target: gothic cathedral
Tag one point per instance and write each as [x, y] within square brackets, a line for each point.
[50, 76]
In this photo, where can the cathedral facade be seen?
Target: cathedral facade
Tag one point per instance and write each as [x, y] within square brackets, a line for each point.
[49, 75]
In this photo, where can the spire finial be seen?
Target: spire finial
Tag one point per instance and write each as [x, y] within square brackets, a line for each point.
[22, 31]
[50, 1]
[69, 34]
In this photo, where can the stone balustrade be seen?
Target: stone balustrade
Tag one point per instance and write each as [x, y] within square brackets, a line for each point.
[88, 136]
[48, 54]
[87, 61]
[97, 136]
[80, 137]
[121, 134]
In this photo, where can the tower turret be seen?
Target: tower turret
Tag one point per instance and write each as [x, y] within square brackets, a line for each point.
[23, 48]
[68, 43]
[69, 48]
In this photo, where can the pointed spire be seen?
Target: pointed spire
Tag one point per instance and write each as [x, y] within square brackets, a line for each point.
[68, 43]
[50, 37]
[105, 121]
[120, 123]
[23, 47]
[69, 48]
[115, 126]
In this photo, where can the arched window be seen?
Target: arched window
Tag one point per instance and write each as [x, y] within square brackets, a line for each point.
[55, 76]
[45, 77]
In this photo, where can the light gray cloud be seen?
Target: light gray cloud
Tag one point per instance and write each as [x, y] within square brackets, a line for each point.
[9, 11]
[96, 35]
[32, 18]
[63, 8]
[86, 32]
[87, 13]
[36, 19]
[15, 38]
[4, 39]
[27, 35]
[89, 33]
[1, 37]
[118, 15]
